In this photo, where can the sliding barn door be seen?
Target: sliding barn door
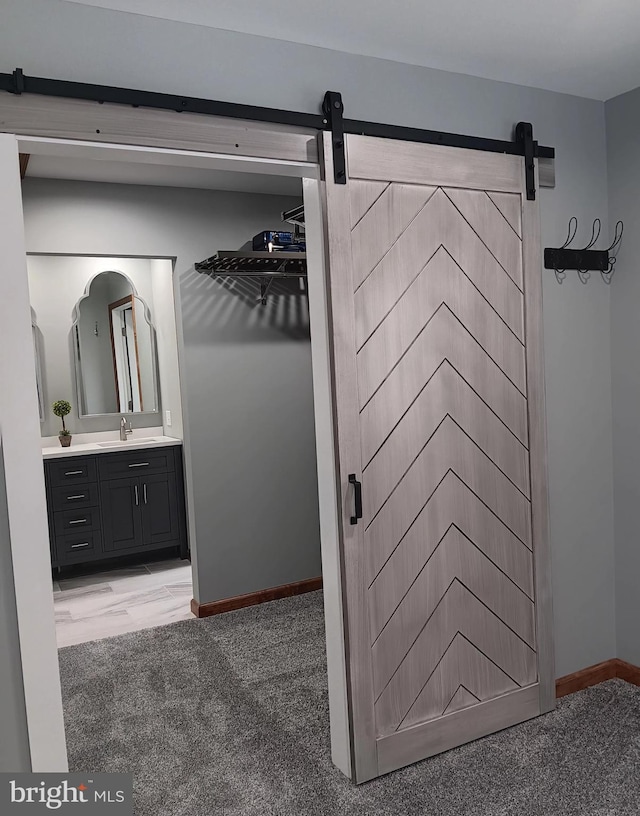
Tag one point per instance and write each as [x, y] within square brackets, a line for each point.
[435, 300]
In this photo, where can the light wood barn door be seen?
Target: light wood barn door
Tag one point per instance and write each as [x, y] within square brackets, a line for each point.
[435, 293]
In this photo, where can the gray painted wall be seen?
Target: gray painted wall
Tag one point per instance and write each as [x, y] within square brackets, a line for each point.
[94, 45]
[246, 379]
[14, 744]
[623, 125]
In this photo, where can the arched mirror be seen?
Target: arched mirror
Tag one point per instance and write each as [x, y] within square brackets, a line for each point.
[115, 349]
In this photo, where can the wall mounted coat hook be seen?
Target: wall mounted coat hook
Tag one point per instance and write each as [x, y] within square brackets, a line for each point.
[586, 259]
[613, 252]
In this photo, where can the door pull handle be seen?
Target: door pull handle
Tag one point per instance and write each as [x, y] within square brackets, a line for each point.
[137, 495]
[144, 492]
[357, 496]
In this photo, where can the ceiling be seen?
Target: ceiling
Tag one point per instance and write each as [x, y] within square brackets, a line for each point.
[121, 172]
[583, 47]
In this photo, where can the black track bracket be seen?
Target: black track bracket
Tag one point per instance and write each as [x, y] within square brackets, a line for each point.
[18, 82]
[333, 111]
[529, 149]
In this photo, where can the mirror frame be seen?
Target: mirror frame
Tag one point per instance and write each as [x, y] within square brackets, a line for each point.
[37, 353]
[77, 357]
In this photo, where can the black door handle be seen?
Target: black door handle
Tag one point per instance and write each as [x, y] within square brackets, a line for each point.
[357, 497]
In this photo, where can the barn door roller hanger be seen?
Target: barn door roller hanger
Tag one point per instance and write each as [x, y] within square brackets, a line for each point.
[331, 119]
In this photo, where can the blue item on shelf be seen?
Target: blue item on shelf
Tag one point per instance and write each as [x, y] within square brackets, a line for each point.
[278, 240]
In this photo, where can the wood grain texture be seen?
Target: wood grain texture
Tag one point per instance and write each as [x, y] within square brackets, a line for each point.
[455, 557]
[441, 281]
[445, 570]
[445, 691]
[436, 736]
[363, 196]
[206, 610]
[459, 610]
[538, 447]
[445, 394]
[443, 338]
[344, 376]
[33, 115]
[487, 222]
[510, 207]
[383, 224]
[393, 570]
[414, 163]
[449, 449]
[437, 224]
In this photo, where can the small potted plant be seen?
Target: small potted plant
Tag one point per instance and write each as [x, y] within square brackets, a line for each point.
[61, 408]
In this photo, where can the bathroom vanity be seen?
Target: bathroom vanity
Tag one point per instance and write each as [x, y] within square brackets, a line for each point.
[109, 499]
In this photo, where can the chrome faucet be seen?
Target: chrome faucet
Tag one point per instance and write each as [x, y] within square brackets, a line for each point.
[124, 431]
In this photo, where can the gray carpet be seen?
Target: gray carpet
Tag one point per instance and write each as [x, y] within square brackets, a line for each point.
[228, 715]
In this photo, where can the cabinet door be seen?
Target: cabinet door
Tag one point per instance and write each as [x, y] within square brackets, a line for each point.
[121, 516]
[159, 502]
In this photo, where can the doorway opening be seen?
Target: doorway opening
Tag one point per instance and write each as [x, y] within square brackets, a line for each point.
[283, 321]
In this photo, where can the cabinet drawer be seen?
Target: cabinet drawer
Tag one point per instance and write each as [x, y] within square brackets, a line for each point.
[78, 546]
[74, 497]
[136, 463]
[72, 471]
[72, 521]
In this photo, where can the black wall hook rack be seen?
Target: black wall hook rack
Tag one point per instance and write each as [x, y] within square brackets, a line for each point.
[584, 260]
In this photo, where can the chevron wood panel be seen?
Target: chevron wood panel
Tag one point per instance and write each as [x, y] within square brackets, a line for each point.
[442, 387]
[510, 208]
[362, 196]
[444, 338]
[449, 449]
[383, 223]
[454, 558]
[463, 698]
[487, 222]
[441, 281]
[464, 665]
[443, 733]
[458, 611]
[438, 223]
[445, 394]
[392, 570]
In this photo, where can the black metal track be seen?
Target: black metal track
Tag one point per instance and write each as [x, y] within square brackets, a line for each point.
[18, 83]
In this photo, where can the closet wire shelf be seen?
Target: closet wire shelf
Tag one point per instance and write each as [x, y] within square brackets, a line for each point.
[262, 266]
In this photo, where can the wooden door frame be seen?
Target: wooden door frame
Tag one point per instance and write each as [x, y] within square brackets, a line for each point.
[34, 124]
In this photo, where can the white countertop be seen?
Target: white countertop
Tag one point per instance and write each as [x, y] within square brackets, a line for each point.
[107, 442]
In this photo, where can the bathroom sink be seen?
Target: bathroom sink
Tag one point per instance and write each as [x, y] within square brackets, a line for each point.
[117, 444]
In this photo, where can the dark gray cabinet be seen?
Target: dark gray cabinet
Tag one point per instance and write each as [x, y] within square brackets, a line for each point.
[113, 504]
[122, 521]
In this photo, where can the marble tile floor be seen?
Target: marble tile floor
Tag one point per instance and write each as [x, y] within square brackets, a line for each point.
[100, 605]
